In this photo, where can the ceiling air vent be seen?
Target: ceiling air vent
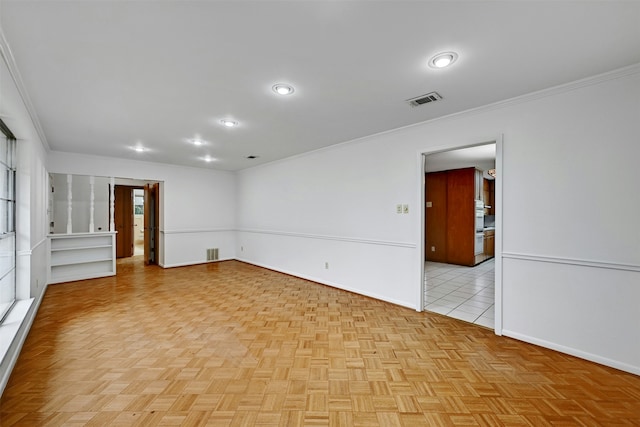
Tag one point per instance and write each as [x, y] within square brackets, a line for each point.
[424, 99]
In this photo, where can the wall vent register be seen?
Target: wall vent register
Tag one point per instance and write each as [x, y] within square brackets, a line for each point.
[212, 254]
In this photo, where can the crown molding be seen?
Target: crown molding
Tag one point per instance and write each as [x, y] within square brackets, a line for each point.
[7, 56]
[619, 73]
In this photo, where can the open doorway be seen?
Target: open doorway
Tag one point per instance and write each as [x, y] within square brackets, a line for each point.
[136, 211]
[459, 233]
[138, 221]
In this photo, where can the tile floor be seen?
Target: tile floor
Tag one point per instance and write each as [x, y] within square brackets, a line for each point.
[465, 293]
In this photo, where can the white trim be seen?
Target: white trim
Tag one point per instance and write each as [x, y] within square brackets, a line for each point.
[72, 235]
[41, 242]
[191, 263]
[24, 253]
[572, 261]
[78, 277]
[9, 59]
[332, 284]
[9, 328]
[499, 141]
[200, 230]
[574, 352]
[421, 227]
[19, 335]
[334, 238]
[498, 202]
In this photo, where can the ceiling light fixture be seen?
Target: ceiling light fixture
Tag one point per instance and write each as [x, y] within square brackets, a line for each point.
[139, 149]
[197, 141]
[283, 89]
[208, 158]
[443, 60]
[229, 123]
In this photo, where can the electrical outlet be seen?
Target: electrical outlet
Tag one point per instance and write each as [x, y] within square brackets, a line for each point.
[399, 209]
[405, 209]
[326, 265]
[429, 204]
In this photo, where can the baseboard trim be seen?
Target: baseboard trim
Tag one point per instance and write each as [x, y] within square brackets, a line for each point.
[188, 263]
[573, 352]
[20, 337]
[331, 284]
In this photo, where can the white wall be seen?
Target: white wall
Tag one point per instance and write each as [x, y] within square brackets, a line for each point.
[570, 208]
[31, 196]
[198, 206]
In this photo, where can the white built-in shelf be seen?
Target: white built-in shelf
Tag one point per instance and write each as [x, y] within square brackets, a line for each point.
[75, 249]
[80, 256]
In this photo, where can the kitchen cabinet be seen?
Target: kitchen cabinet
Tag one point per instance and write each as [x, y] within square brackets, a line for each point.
[488, 195]
[461, 189]
[478, 185]
[485, 195]
[450, 215]
[436, 217]
[489, 243]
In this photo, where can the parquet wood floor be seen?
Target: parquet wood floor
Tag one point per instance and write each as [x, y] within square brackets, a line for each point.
[230, 344]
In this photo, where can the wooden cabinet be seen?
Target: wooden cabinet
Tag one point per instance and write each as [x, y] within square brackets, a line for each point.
[489, 243]
[461, 188]
[80, 256]
[436, 217]
[488, 196]
[478, 184]
[450, 215]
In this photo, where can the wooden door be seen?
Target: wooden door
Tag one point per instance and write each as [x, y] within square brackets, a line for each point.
[461, 216]
[151, 215]
[436, 216]
[123, 219]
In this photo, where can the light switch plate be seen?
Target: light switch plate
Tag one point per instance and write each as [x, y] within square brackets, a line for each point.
[399, 209]
[429, 204]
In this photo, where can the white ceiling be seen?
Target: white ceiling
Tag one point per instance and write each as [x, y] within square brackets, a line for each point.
[482, 157]
[104, 76]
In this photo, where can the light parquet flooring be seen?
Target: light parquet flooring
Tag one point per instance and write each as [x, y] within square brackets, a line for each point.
[233, 344]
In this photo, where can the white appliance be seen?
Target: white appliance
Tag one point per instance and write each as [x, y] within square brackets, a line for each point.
[479, 223]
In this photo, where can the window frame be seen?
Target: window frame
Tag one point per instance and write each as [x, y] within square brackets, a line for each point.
[8, 200]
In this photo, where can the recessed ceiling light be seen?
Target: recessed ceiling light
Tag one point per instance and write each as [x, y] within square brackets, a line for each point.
[139, 149]
[196, 140]
[208, 158]
[229, 123]
[283, 89]
[442, 60]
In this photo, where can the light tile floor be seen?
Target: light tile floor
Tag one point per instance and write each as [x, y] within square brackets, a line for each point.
[465, 293]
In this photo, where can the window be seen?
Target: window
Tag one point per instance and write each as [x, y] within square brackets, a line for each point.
[7, 220]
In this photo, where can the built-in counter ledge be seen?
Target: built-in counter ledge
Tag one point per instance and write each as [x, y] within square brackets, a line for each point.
[95, 233]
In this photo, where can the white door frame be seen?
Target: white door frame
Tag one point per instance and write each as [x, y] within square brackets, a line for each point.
[499, 141]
